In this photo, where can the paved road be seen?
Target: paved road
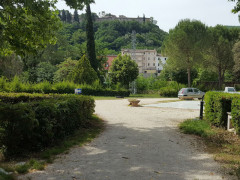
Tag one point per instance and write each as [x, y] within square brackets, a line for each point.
[187, 104]
[139, 143]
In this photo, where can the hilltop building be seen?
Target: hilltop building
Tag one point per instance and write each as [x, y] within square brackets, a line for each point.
[102, 16]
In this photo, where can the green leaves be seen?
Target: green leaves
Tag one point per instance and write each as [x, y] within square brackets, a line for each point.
[123, 70]
[27, 25]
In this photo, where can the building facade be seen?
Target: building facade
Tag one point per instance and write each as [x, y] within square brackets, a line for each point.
[148, 61]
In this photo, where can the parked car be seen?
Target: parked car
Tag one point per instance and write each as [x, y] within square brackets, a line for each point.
[231, 90]
[190, 93]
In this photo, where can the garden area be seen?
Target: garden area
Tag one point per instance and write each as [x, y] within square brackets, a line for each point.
[224, 145]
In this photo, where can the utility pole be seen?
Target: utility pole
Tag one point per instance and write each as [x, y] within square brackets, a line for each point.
[133, 56]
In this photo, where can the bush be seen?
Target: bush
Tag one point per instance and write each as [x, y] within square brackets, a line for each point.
[64, 87]
[32, 122]
[168, 92]
[217, 104]
[235, 113]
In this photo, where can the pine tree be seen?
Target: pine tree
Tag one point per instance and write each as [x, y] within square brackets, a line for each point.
[91, 53]
[76, 16]
[83, 72]
[69, 17]
[63, 18]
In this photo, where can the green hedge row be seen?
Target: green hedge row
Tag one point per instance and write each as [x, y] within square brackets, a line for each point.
[217, 104]
[64, 87]
[31, 123]
[168, 92]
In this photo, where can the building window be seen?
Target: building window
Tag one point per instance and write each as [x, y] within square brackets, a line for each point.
[158, 64]
[148, 64]
[148, 58]
[153, 64]
[158, 58]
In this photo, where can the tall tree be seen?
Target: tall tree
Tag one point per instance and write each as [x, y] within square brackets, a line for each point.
[64, 16]
[69, 17]
[236, 55]
[27, 25]
[91, 52]
[123, 70]
[76, 16]
[219, 56]
[78, 4]
[184, 45]
[83, 72]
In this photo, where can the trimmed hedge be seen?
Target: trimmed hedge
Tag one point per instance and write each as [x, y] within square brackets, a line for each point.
[31, 123]
[236, 113]
[168, 92]
[217, 104]
[64, 87]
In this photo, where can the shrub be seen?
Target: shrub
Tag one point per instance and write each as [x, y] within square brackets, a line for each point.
[217, 104]
[32, 122]
[236, 113]
[168, 92]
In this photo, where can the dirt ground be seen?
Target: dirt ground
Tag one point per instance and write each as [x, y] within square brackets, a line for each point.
[139, 143]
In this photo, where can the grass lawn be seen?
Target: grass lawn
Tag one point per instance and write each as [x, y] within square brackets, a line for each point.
[224, 145]
[38, 161]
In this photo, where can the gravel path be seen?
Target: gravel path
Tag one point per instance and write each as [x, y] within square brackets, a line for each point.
[139, 143]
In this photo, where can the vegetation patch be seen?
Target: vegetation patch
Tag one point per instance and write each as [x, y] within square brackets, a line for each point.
[38, 161]
[223, 144]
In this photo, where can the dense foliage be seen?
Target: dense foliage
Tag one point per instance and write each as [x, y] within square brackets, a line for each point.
[34, 125]
[184, 45]
[64, 87]
[123, 70]
[83, 72]
[27, 26]
[217, 104]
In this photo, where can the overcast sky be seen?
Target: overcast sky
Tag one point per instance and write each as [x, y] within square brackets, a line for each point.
[169, 12]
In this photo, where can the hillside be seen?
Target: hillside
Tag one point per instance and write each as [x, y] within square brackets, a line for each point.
[115, 34]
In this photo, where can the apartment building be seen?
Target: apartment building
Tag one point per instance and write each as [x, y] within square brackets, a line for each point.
[148, 61]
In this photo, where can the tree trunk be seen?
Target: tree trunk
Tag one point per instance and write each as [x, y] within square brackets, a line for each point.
[220, 78]
[189, 77]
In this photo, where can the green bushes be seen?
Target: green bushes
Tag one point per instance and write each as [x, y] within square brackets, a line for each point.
[168, 92]
[64, 87]
[217, 104]
[28, 124]
[236, 113]
[171, 90]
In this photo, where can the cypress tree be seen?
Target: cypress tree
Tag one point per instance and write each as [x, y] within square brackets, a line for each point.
[69, 17]
[76, 16]
[63, 18]
[83, 72]
[91, 53]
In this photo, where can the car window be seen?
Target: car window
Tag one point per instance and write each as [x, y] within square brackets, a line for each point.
[196, 90]
[231, 90]
[190, 90]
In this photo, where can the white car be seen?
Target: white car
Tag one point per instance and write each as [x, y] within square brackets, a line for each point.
[190, 93]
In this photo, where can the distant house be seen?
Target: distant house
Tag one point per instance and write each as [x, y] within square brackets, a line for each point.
[110, 59]
[148, 61]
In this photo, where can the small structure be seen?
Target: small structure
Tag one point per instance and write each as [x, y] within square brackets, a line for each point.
[230, 128]
[134, 102]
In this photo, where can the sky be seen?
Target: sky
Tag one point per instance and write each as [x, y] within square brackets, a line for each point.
[168, 12]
